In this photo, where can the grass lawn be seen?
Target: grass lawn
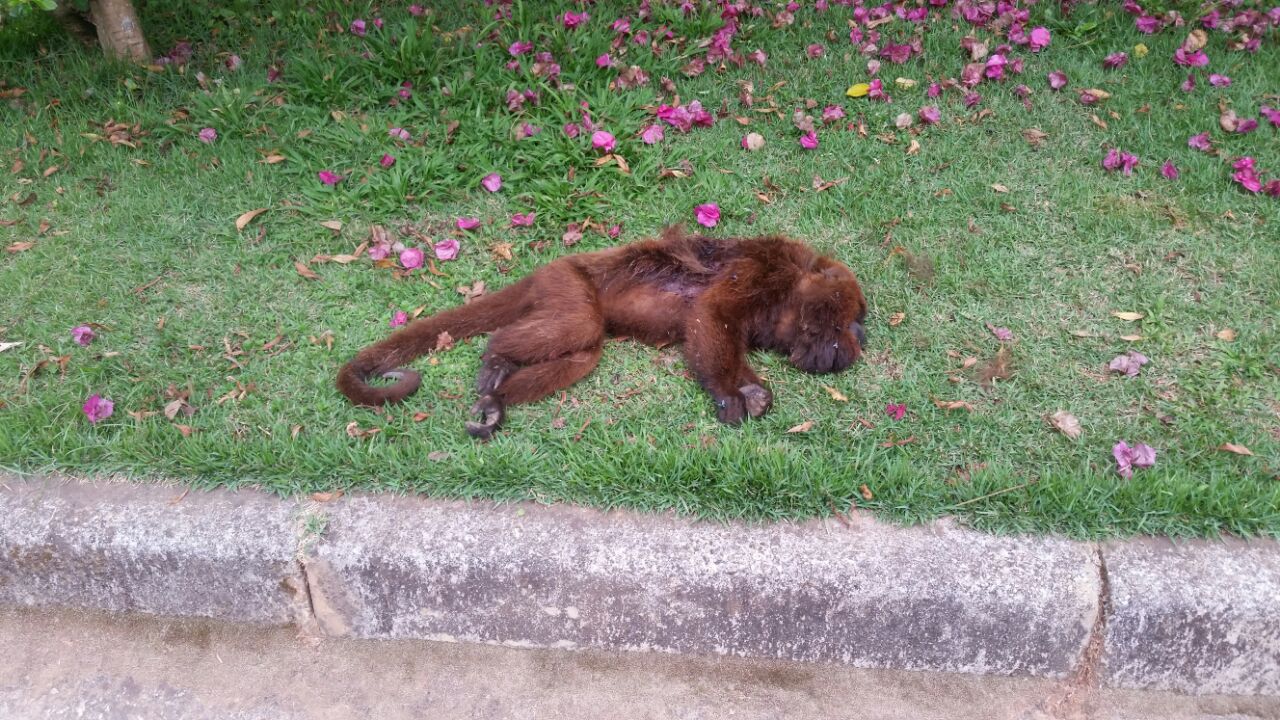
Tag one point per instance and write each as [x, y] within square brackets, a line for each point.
[954, 229]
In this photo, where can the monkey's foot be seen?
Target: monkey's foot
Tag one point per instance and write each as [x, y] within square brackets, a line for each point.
[489, 409]
[758, 399]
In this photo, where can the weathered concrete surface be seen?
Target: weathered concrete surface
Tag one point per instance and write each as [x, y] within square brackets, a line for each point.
[63, 664]
[933, 598]
[149, 548]
[1197, 617]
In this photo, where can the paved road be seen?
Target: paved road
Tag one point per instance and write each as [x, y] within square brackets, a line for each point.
[62, 665]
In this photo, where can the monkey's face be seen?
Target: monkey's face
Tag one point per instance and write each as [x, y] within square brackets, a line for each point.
[826, 333]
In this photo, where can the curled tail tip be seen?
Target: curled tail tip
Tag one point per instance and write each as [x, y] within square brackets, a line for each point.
[353, 382]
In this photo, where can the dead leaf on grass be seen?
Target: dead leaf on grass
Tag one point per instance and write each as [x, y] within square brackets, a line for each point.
[1127, 316]
[305, 271]
[354, 430]
[1066, 423]
[835, 394]
[1234, 448]
[1034, 136]
[803, 427]
[1226, 335]
[246, 218]
[950, 405]
[327, 496]
[997, 368]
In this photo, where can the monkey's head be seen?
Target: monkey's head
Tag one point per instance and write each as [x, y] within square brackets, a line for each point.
[823, 328]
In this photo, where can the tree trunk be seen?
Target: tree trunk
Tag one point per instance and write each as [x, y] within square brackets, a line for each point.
[119, 32]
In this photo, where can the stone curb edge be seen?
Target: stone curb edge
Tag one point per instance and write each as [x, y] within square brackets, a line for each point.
[1198, 617]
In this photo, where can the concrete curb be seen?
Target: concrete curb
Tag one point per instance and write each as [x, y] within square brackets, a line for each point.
[136, 548]
[1199, 617]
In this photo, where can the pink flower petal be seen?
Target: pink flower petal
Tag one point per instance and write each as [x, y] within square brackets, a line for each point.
[651, 134]
[601, 140]
[1003, 334]
[399, 318]
[809, 141]
[523, 219]
[1057, 80]
[1039, 39]
[447, 249]
[492, 182]
[412, 258]
[467, 223]
[1168, 170]
[707, 214]
[83, 335]
[328, 177]
[895, 410]
[387, 161]
[208, 135]
[98, 408]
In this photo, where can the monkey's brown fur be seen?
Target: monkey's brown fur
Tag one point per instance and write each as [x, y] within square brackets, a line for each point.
[719, 296]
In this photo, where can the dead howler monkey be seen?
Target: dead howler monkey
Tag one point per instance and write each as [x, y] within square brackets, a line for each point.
[719, 296]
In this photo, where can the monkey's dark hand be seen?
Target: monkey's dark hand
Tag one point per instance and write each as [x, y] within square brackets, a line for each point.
[758, 399]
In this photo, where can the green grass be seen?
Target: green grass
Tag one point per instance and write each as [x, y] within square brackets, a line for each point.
[142, 241]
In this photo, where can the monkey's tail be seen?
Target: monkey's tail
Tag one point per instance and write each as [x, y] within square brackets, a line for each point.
[386, 357]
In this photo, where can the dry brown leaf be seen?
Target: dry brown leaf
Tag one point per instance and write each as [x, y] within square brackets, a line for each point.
[999, 188]
[1226, 335]
[835, 394]
[803, 427]
[1098, 121]
[327, 496]
[172, 409]
[19, 247]
[444, 341]
[354, 430]
[997, 368]
[1234, 448]
[1195, 40]
[1131, 338]
[866, 492]
[950, 405]
[9, 346]
[1066, 423]
[50, 170]
[502, 250]
[897, 318]
[914, 147]
[437, 456]
[273, 159]
[334, 225]
[305, 271]
[186, 430]
[246, 218]
[420, 416]
[1034, 136]
[1127, 316]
